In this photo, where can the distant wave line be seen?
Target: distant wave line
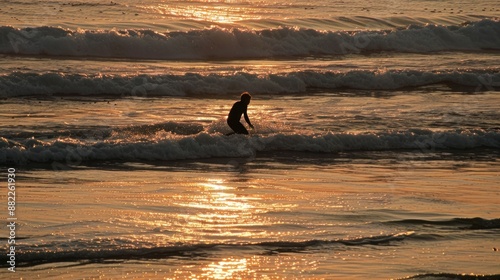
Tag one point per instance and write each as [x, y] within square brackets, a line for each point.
[48, 84]
[240, 43]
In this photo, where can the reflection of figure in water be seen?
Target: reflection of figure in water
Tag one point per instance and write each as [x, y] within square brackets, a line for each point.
[239, 108]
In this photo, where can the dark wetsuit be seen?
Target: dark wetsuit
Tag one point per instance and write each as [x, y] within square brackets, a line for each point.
[233, 119]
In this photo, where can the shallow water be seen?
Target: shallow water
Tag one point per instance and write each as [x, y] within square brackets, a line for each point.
[375, 153]
[353, 215]
[125, 195]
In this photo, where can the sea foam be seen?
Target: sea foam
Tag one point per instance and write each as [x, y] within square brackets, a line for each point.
[235, 43]
[203, 145]
[34, 84]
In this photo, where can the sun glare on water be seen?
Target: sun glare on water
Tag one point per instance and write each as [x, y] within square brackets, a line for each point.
[223, 12]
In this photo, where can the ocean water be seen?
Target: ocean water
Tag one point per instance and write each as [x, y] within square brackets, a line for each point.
[375, 153]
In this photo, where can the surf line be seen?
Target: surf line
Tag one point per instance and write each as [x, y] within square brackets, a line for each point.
[11, 219]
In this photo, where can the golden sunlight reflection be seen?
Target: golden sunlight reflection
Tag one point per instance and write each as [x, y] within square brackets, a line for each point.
[220, 210]
[218, 199]
[214, 11]
[253, 267]
[229, 268]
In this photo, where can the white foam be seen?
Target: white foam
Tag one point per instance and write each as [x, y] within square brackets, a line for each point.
[21, 84]
[220, 43]
[167, 146]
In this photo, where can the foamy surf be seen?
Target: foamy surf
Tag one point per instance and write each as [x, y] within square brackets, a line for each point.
[48, 84]
[165, 146]
[236, 43]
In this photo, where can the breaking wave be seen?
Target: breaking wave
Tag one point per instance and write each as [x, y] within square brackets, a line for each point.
[166, 145]
[235, 43]
[33, 84]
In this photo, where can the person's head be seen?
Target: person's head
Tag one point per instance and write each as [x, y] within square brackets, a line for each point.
[245, 97]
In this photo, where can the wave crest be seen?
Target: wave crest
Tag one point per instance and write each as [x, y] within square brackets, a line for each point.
[220, 43]
[87, 250]
[32, 84]
[168, 146]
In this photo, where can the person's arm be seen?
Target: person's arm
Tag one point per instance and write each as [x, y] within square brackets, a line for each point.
[247, 119]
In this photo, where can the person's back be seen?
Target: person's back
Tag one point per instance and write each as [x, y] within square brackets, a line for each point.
[239, 108]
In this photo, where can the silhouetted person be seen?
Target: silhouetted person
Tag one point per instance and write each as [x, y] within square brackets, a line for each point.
[239, 108]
